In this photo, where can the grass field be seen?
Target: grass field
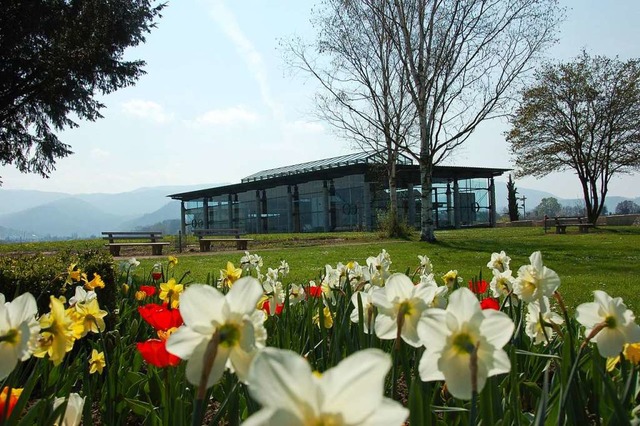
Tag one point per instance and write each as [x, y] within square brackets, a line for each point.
[608, 259]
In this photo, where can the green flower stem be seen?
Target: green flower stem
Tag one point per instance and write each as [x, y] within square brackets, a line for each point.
[209, 357]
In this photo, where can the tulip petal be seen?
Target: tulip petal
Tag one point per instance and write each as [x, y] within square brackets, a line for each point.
[357, 381]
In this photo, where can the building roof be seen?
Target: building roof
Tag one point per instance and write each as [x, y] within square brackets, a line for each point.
[327, 163]
[332, 168]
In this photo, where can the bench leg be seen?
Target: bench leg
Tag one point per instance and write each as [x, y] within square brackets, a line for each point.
[205, 245]
[114, 250]
[561, 229]
[241, 245]
[156, 250]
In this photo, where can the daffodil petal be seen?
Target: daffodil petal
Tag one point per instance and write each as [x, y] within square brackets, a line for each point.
[610, 342]
[587, 314]
[464, 303]
[241, 361]
[195, 365]
[8, 359]
[500, 363]
[433, 330]
[201, 305]
[22, 309]
[497, 328]
[184, 341]
[386, 327]
[356, 381]
[398, 286]
[428, 367]
[273, 417]
[281, 379]
[457, 370]
[388, 412]
[244, 295]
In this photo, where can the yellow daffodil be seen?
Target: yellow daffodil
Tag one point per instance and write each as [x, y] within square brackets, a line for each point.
[96, 362]
[351, 393]
[96, 282]
[450, 278]
[170, 292]
[229, 275]
[140, 296]
[125, 288]
[58, 333]
[73, 274]
[327, 320]
[632, 352]
[18, 327]
[90, 316]
[173, 261]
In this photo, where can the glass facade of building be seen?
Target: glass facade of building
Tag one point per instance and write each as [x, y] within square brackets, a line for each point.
[349, 196]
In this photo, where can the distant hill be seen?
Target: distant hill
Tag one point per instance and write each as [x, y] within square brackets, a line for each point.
[169, 211]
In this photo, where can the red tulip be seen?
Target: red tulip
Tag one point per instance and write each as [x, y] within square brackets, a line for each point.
[154, 351]
[490, 303]
[160, 317]
[156, 275]
[148, 289]
[478, 287]
[315, 291]
[8, 401]
[267, 308]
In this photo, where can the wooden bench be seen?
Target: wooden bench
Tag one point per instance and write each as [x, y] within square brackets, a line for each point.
[207, 236]
[154, 238]
[562, 222]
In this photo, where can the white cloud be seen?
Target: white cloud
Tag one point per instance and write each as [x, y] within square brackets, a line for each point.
[227, 116]
[148, 110]
[226, 20]
[304, 127]
[99, 154]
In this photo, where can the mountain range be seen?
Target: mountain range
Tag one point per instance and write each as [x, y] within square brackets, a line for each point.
[27, 215]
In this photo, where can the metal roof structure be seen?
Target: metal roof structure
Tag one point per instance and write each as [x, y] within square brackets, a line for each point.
[328, 163]
[332, 168]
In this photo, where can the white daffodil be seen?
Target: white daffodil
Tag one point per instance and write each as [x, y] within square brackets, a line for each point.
[616, 323]
[502, 283]
[72, 413]
[351, 393]
[535, 280]
[251, 261]
[206, 311]
[283, 268]
[534, 328]
[82, 296]
[499, 261]
[451, 336]
[400, 297]
[379, 268]
[296, 294]
[426, 267]
[367, 307]
[18, 326]
[274, 293]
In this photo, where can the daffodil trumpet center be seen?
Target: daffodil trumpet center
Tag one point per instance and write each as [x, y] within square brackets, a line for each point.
[12, 337]
[463, 343]
[229, 335]
[404, 309]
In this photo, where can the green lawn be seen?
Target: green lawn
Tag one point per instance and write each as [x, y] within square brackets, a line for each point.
[607, 259]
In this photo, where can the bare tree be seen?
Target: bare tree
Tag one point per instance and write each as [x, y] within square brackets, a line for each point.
[463, 57]
[362, 81]
[582, 116]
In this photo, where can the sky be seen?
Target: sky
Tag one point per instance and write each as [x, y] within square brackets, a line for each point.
[218, 103]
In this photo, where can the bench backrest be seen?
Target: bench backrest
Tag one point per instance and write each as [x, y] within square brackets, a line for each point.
[153, 236]
[570, 220]
[204, 232]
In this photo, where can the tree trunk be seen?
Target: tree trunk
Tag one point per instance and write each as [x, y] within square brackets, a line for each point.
[394, 228]
[426, 210]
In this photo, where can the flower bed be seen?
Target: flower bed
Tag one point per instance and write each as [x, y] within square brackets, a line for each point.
[356, 345]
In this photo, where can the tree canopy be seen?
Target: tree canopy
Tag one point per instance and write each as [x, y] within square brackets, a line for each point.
[55, 57]
[582, 116]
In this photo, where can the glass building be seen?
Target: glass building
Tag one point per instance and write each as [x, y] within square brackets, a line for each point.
[339, 194]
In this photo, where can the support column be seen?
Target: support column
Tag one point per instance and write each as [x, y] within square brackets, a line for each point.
[325, 206]
[183, 218]
[366, 206]
[236, 214]
[456, 204]
[411, 207]
[333, 217]
[450, 218]
[492, 203]
[258, 211]
[205, 213]
[296, 210]
[289, 209]
[230, 211]
[265, 217]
